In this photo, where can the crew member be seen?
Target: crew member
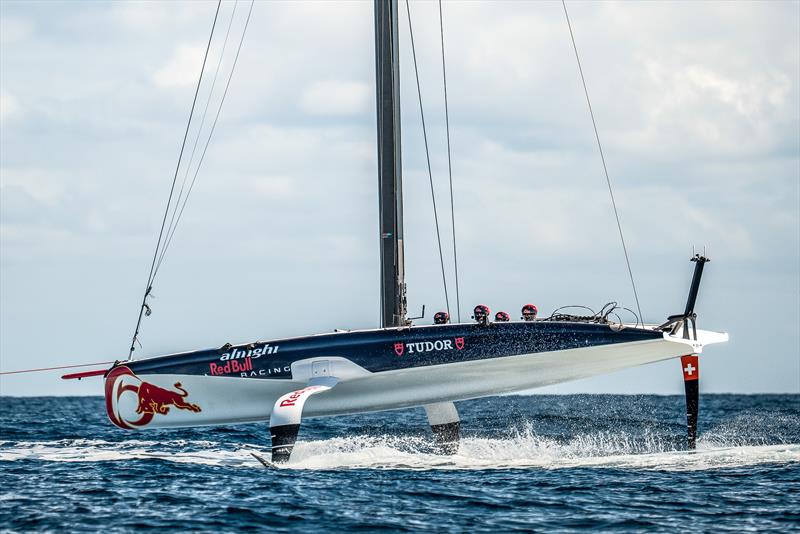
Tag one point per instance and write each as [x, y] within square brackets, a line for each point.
[481, 314]
[502, 317]
[529, 312]
[441, 318]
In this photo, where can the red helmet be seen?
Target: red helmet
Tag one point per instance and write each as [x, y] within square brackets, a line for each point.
[529, 312]
[481, 312]
[441, 318]
[502, 317]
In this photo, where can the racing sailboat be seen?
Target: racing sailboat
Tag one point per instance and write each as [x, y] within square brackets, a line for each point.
[400, 364]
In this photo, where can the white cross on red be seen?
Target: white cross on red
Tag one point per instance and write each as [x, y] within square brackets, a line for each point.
[690, 369]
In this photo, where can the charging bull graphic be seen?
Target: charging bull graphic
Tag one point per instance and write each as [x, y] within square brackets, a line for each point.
[151, 399]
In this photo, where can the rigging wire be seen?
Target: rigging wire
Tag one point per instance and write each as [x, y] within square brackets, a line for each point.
[210, 135]
[428, 157]
[53, 368]
[603, 159]
[199, 130]
[449, 163]
[148, 288]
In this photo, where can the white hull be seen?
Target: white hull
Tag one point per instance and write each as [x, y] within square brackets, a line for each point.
[225, 400]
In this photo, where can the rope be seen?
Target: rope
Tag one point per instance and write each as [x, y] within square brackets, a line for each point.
[603, 159]
[449, 164]
[199, 131]
[54, 368]
[610, 308]
[150, 276]
[210, 135]
[428, 157]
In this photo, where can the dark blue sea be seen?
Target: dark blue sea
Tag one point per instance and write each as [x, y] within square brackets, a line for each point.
[542, 463]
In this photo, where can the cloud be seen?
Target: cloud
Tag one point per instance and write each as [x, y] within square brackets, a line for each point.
[9, 105]
[336, 98]
[182, 68]
[696, 106]
[41, 185]
[274, 186]
[139, 16]
[14, 28]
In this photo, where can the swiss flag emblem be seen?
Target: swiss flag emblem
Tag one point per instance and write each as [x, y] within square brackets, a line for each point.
[459, 343]
[399, 348]
[691, 367]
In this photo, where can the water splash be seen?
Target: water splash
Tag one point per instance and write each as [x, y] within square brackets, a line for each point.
[525, 450]
[528, 450]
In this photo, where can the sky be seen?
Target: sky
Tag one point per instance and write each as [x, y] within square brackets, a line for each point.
[697, 106]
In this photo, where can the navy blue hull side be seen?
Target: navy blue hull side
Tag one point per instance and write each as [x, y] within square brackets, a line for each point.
[392, 348]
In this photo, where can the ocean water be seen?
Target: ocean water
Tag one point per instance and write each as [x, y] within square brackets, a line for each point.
[543, 463]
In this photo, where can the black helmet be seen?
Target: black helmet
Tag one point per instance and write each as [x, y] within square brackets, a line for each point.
[441, 318]
[529, 312]
[501, 317]
[481, 313]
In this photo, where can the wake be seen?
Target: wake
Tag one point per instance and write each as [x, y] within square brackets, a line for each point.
[523, 451]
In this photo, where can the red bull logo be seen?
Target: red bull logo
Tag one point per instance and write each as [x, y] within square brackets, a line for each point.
[151, 399]
[292, 399]
[231, 366]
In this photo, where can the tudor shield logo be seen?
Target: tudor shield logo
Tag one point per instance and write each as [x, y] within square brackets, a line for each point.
[419, 347]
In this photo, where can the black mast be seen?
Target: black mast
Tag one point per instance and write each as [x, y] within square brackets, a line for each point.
[390, 190]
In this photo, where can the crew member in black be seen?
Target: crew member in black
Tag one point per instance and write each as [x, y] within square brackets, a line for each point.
[502, 317]
[481, 314]
[529, 312]
[441, 318]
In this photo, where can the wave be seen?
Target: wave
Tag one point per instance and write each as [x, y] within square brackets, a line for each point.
[526, 450]
[96, 450]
